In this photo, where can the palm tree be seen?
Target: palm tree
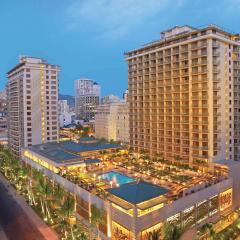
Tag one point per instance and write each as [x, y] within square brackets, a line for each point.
[21, 177]
[67, 211]
[63, 224]
[78, 232]
[207, 230]
[83, 236]
[154, 235]
[5, 157]
[68, 206]
[1, 147]
[59, 193]
[44, 191]
[97, 218]
[172, 232]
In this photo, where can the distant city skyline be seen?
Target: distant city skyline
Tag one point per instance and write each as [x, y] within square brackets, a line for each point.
[89, 38]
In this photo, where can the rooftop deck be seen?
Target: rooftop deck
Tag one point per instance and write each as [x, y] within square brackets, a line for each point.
[154, 182]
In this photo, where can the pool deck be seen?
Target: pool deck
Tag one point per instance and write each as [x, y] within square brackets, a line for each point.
[121, 178]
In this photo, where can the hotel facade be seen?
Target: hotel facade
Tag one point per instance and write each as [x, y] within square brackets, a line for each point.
[133, 207]
[32, 97]
[184, 95]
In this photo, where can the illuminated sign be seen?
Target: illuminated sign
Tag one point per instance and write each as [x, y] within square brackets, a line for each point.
[225, 199]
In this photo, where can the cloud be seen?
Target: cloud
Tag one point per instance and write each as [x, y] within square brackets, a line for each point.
[115, 18]
[233, 3]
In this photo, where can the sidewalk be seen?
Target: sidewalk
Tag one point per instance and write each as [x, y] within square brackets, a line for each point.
[46, 231]
[2, 234]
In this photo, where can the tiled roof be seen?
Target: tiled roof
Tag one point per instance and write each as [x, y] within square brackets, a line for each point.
[138, 192]
[68, 151]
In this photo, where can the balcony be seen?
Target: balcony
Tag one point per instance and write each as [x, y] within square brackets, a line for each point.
[216, 54]
[199, 46]
[215, 45]
[184, 49]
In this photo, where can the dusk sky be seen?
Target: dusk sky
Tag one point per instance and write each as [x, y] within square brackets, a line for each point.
[88, 38]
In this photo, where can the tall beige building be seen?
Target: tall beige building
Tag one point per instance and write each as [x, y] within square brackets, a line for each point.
[112, 120]
[184, 95]
[32, 93]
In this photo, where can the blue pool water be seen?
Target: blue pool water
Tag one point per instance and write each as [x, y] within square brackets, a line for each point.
[117, 178]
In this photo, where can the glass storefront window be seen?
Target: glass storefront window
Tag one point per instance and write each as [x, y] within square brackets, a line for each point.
[174, 220]
[188, 217]
[202, 211]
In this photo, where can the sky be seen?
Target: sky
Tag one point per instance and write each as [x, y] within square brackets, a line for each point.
[88, 38]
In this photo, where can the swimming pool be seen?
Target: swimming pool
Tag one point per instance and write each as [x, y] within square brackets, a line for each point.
[117, 178]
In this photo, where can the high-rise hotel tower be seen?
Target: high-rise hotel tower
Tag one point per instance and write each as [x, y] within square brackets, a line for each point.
[32, 93]
[184, 95]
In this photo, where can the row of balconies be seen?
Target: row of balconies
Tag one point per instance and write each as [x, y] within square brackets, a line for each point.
[178, 75]
[198, 94]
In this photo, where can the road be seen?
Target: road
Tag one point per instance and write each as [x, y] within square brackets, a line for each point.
[14, 221]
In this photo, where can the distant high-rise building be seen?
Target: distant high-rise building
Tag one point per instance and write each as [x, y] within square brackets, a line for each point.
[3, 117]
[66, 116]
[184, 95]
[112, 120]
[110, 99]
[63, 106]
[32, 93]
[125, 95]
[87, 97]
